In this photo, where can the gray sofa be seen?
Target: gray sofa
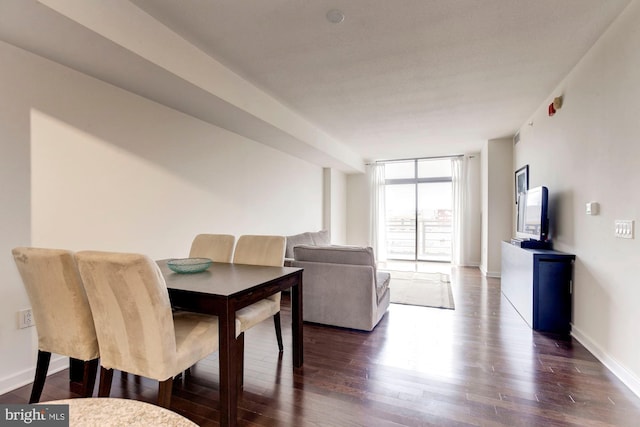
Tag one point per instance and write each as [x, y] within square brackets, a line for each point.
[317, 238]
[341, 286]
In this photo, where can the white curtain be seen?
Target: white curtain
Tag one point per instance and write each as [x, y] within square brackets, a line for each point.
[375, 173]
[459, 172]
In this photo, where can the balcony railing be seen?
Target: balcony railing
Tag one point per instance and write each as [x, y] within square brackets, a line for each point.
[434, 237]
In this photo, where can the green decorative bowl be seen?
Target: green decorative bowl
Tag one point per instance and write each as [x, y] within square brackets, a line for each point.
[189, 265]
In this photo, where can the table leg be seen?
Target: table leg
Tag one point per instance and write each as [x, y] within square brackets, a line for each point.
[76, 370]
[228, 368]
[296, 322]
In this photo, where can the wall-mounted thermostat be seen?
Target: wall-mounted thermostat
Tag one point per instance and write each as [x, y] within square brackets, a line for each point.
[593, 208]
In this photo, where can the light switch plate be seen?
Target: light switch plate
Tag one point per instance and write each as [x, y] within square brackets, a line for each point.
[624, 228]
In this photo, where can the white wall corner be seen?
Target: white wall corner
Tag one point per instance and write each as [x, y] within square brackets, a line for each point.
[488, 273]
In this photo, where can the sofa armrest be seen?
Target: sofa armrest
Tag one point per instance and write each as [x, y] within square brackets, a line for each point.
[339, 294]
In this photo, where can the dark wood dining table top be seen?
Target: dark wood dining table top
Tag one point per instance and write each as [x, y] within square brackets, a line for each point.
[224, 279]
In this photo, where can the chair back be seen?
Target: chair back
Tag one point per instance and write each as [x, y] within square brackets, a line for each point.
[58, 300]
[260, 250]
[217, 247]
[132, 312]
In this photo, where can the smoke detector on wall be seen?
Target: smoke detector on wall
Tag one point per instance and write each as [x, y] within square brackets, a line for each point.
[555, 105]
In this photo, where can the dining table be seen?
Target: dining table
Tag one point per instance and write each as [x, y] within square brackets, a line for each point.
[222, 290]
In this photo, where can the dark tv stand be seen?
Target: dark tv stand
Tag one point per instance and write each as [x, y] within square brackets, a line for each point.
[538, 283]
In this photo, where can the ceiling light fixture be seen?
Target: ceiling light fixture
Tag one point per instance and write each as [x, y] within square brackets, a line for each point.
[335, 16]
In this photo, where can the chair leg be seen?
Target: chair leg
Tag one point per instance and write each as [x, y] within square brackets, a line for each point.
[276, 323]
[240, 359]
[106, 375]
[42, 366]
[182, 375]
[89, 377]
[164, 393]
[76, 368]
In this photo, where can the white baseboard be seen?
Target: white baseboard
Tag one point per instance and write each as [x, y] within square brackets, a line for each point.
[492, 274]
[623, 374]
[26, 376]
[472, 264]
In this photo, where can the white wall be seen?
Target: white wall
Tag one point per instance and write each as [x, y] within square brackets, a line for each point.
[589, 151]
[358, 202]
[17, 347]
[472, 244]
[86, 165]
[497, 200]
[335, 205]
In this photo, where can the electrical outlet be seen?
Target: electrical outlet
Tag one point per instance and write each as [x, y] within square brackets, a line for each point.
[25, 318]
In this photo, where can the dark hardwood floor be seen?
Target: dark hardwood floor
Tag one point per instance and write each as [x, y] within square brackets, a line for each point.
[476, 365]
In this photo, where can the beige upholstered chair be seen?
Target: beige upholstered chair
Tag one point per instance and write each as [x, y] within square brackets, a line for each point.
[217, 247]
[137, 331]
[61, 312]
[260, 250]
[257, 250]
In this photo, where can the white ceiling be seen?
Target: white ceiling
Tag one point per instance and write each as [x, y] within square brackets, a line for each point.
[395, 79]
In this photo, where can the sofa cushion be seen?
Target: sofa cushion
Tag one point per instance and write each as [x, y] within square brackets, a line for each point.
[321, 238]
[295, 240]
[382, 284]
[335, 254]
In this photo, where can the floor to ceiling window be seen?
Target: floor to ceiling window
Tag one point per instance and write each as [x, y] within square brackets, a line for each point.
[418, 209]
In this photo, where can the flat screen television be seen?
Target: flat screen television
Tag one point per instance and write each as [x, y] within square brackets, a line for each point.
[533, 220]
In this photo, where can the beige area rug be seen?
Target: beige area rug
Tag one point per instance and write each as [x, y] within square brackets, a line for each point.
[424, 289]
